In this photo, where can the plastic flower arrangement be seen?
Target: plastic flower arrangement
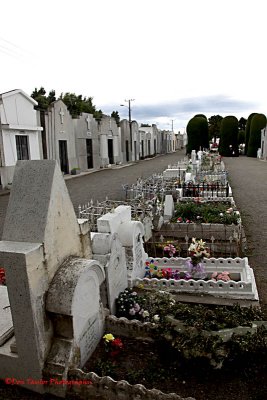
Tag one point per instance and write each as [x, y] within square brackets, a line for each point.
[2, 277]
[152, 270]
[197, 251]
[170, 249]
[221, 276]
[113, 345]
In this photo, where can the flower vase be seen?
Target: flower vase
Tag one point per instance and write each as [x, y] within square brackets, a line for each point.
[196, 270]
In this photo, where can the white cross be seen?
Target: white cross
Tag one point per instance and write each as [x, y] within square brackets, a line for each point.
[88, 122]
[61, 113]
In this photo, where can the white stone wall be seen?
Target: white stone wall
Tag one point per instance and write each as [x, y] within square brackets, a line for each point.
[18, 117]
[60, 128]
[86, 127]
[263, 154]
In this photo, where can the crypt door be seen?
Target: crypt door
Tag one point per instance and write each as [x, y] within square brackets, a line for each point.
[63, 156]
[110, 151]
[89, 152]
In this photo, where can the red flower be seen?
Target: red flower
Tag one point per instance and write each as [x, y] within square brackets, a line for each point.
[114, 353]
[117, 343]
[2, 276]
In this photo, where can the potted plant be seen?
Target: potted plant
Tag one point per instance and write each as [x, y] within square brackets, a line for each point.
[75, 171]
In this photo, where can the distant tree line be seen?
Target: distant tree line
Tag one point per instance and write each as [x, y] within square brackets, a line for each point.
[231, 132]
[76, 104]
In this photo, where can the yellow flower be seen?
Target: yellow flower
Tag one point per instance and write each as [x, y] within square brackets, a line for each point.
[108, 337]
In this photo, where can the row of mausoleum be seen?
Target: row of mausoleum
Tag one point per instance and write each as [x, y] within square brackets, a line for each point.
[78, 144]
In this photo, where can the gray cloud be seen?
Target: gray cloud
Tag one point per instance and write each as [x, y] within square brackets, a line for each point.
[186, 108]
[204, 105]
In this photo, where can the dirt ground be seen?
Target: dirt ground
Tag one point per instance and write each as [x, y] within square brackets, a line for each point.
[157, 367]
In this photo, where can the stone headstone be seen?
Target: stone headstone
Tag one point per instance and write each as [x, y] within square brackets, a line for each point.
[108, 250]
[40, 209]
[74, 295]
[188, 177]
[130, 234]
[40, 232]
[168, 207]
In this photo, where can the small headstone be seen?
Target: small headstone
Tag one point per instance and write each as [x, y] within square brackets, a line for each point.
[168, 207]
[193, 156]
[108, 250]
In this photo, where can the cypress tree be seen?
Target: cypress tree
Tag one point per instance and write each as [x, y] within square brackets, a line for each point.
[197, 133]
[247, 131]
[228, 145]
[258, 122]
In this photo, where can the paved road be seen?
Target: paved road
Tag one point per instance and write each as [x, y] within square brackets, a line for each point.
[107, 182]
[248, 179]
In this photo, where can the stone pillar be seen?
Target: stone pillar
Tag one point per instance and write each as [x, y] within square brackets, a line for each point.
[104, 150]
[116, 149]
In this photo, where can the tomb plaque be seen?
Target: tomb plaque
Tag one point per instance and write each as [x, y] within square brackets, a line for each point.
[6, 323]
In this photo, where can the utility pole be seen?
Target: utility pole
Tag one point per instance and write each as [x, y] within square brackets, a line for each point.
[130, 119]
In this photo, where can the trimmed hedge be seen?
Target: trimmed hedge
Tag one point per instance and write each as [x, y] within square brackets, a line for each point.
[229, 137]
[258, 122]
[198, 134]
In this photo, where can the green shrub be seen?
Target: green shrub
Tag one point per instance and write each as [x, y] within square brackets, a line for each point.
[258, 122]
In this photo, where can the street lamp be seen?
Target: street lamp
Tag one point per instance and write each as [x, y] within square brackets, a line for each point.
[130, 118]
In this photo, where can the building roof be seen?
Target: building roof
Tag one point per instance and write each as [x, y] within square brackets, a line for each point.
[15, 91]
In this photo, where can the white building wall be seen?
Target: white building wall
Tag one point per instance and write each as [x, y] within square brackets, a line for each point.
[9, 141]
[18, 117]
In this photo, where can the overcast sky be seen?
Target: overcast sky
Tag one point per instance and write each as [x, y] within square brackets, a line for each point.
[175, 58]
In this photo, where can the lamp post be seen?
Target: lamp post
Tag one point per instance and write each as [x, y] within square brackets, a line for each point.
[130, 118]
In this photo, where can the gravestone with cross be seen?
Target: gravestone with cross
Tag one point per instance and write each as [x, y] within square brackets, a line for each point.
[61, 113]
[130, 234]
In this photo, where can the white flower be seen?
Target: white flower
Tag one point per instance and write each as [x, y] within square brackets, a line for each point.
[156, 318]
[145, 314]
[221, 214]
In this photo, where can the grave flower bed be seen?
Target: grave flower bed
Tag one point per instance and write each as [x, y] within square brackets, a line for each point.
[182, 351]
[172, 274]
[203, 212]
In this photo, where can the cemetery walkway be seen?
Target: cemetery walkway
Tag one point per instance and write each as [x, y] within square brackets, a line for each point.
[248, 179]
